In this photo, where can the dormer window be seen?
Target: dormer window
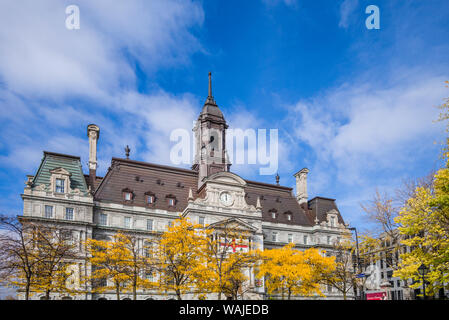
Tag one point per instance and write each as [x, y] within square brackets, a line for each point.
[60, 185]
[150, 197]
[332, 218]
[289, 217]
[127, 194]
[60, 180]
[273, 214]
[171, 200]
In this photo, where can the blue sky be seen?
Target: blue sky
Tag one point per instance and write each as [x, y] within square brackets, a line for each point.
[355, 106]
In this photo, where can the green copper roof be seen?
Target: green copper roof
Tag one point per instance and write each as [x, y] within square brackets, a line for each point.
[52, 161]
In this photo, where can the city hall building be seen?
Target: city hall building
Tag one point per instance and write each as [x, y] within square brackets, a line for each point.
[144, 198]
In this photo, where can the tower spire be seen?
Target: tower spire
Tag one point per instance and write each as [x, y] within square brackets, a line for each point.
[210, 98]
[210, 85]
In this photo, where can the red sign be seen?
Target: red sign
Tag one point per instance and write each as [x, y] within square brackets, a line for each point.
[376, 296]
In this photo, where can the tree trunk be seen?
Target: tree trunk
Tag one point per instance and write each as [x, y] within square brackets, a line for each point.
[27, 290]
[178, 294]
[47, 295]
[117, 291]
[289, 293]
[135, 288]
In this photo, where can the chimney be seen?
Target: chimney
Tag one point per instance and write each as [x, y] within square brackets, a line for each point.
[93, 133]
[301, 186]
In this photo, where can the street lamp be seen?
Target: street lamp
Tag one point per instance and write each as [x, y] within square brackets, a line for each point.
[422, 270]
[357, 245]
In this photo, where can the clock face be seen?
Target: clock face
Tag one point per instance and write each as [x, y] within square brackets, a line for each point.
[226, 198]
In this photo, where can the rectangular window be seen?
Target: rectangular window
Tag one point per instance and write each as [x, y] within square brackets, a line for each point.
[201, 221]
[150, 199]
[290, 238]
[66, 235]
[274, 236]
[289, 217]
[150, 224]
[328, 240]
[69, 213]
[103, 219]
[48, 211]
[305, 239]
[273, 215]
[127, 222]
[60, 185]
[171, 202]
[128, 196]
[102, 282]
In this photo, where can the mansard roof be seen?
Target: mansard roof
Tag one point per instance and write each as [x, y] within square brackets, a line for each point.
[279, 199]
[144, 178]
[71, 164]
[320, 206]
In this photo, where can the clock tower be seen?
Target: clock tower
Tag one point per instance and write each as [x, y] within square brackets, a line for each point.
[210, 140]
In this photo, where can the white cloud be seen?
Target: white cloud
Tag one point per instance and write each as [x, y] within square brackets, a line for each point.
[54, 81]
[39, 56]
[360, 128]
[346, 9]
[288, 3]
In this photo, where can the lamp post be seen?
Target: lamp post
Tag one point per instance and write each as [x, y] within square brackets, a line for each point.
[422, 270]
[357, 246]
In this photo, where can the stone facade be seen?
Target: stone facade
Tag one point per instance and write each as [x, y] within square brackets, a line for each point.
[143, 198]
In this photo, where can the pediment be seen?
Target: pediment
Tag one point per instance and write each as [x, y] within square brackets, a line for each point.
[61, 171]
[227, 178]
[234, 224]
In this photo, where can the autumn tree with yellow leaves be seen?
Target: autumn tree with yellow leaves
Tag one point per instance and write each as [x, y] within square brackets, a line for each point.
[121, 262]
[229, 257]
[290, 272]
[181, 262]
[424, 220]
[56, 250]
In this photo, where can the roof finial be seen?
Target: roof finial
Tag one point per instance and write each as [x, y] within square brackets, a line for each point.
[127, 151]
[277, 178]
